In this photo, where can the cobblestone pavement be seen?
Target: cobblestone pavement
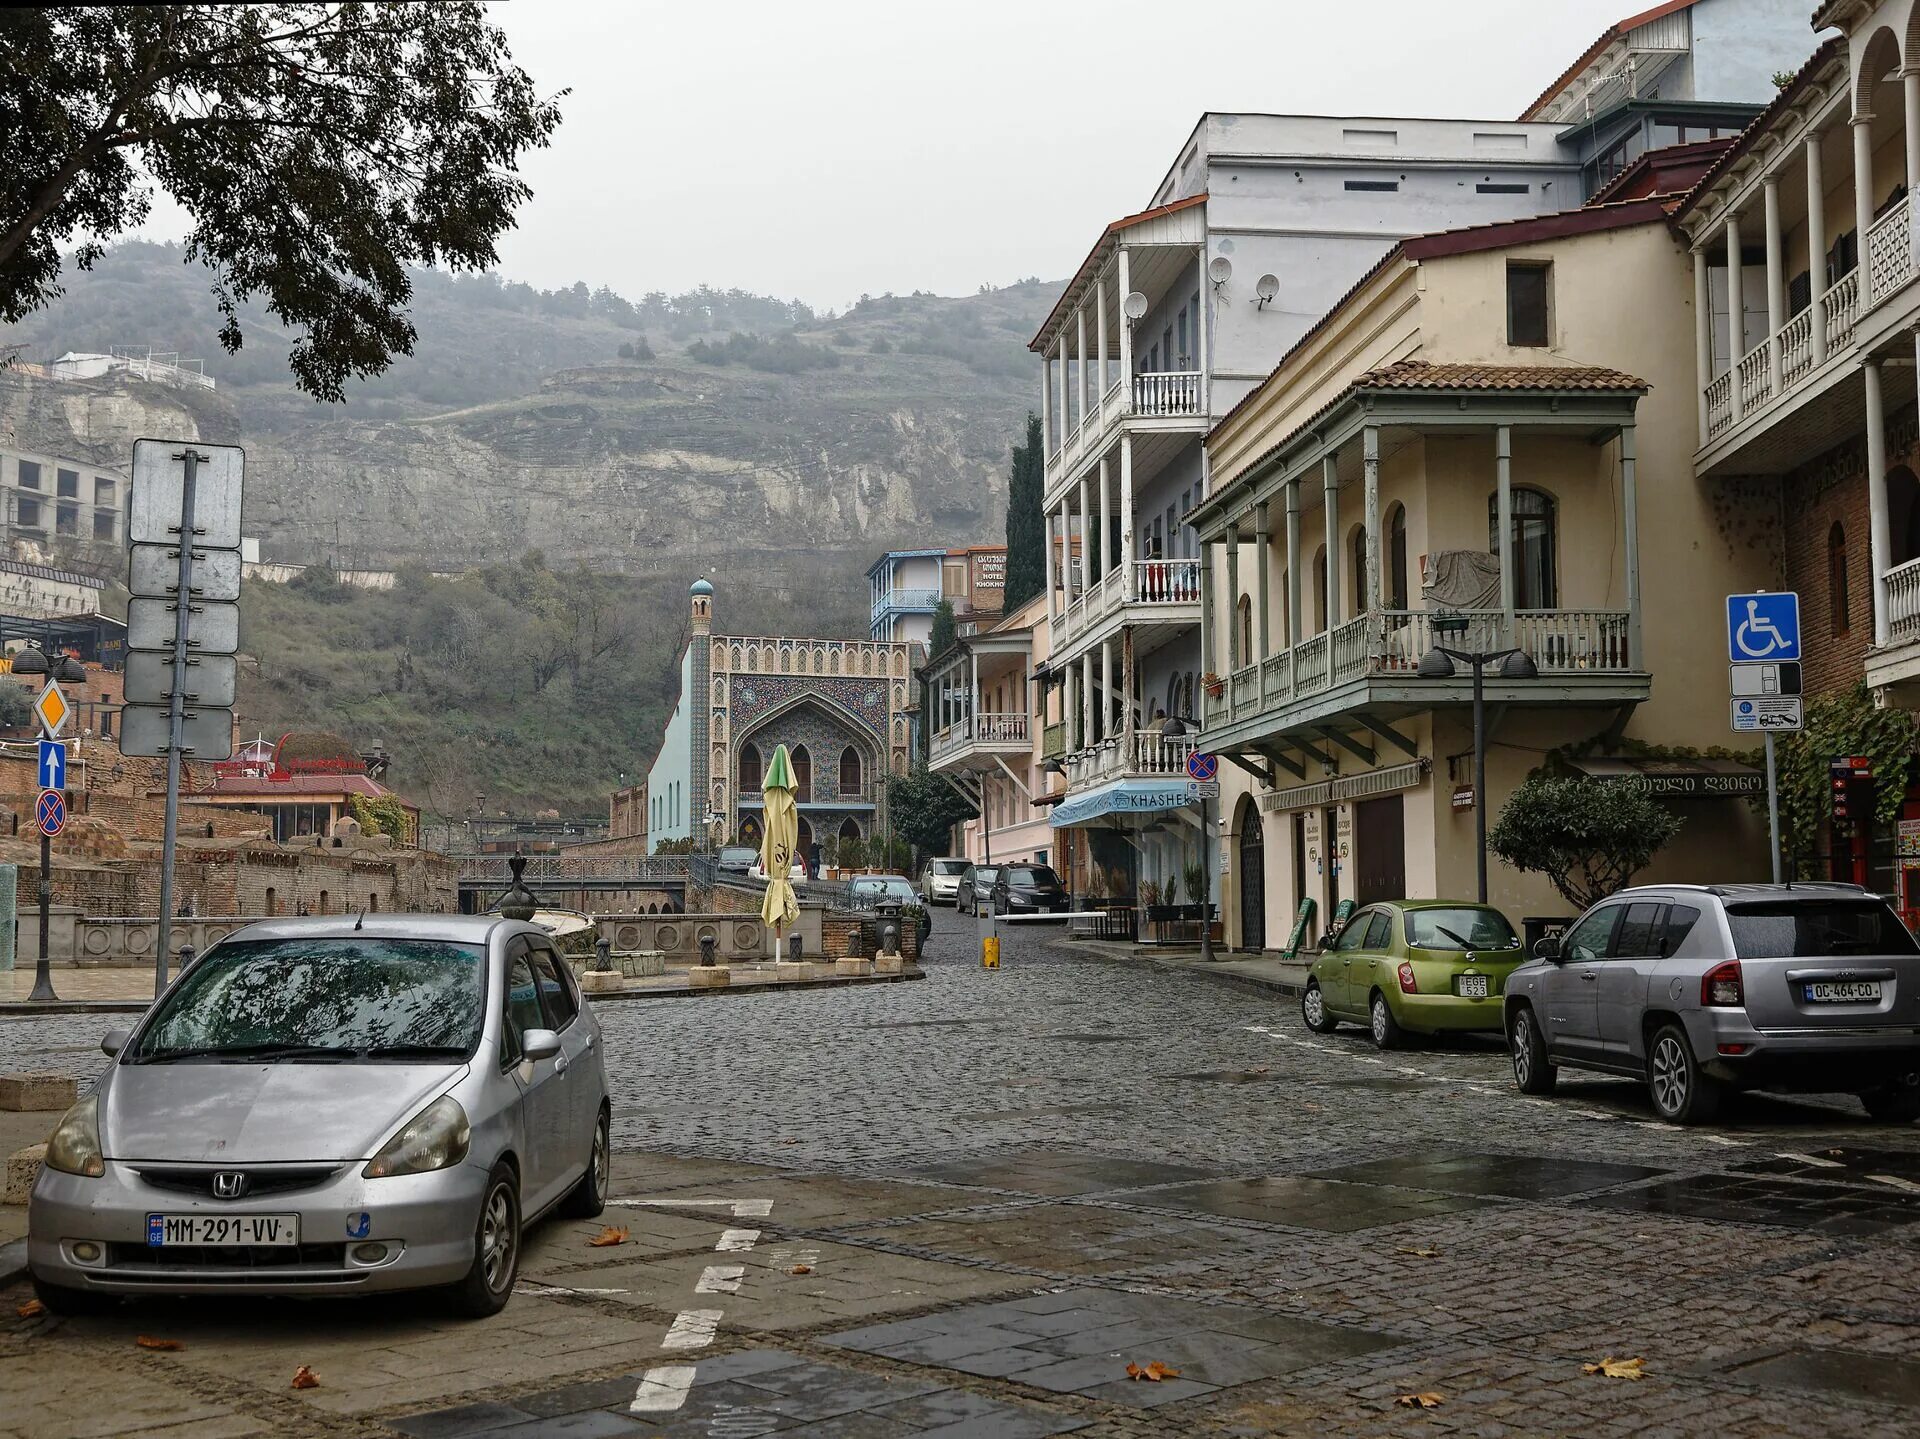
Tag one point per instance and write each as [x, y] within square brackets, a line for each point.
[965, 1206]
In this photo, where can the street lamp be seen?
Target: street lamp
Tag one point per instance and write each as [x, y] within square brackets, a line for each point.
[67, 670]
[1510, 664]
[1174, 727]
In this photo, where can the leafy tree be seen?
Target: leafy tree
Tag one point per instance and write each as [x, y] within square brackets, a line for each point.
[625, 351]
[924, 808]
[1587, 837]
[679, 846]
[945, 632]
[380, 815]
[320, 150]
[16, 708]
[1026, 527]
[1840, 724]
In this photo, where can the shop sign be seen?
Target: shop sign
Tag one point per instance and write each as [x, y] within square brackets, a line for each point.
[1907, 839]
[1463, 796]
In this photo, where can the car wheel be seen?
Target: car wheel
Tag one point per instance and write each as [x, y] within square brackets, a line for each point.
[1681, 1093]
[61, 1300]
[1313, 1010]
[1387, 1033]
[1533, 1073]
[1893, 1103]
[587, 1198]
[496, 1249]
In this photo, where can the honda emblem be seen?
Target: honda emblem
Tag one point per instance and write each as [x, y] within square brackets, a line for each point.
[229, 1184]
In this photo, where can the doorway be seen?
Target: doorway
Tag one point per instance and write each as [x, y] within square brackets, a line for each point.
[1300, 865]
[1379, 827]
[1253, 880]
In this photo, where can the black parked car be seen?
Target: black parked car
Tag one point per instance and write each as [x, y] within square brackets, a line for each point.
[1029, 889]
[736, 859]
[976, 889]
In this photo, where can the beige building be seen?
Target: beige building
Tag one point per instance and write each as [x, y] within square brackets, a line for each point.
[1496, 423]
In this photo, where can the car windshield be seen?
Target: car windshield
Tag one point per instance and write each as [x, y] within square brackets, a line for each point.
[332, 996]
[886, 887]
[985, 874]
[738, 854]
[1808, 929]
[1037, 875]
[1463, 928]
[949, 866]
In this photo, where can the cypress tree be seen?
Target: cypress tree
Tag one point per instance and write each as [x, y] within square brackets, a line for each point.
[1026, 529]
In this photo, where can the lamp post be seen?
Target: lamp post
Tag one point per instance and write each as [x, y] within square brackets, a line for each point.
[31, 661]
[1174, 728]
[1512, 664]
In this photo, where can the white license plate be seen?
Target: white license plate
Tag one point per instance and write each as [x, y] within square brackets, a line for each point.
[201, 1231]
[1471, 986]
[1842, 991]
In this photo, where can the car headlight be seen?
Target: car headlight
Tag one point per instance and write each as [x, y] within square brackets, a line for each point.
[435, 1138]
[74, 1147]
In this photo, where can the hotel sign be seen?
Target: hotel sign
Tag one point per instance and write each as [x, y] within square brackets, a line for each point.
[1691, 785]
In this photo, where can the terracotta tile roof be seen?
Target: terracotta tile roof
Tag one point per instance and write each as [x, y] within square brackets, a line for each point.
[1664, 171]
[1424, 375]
[1613, 32]
[295, 784]
[1835, 47]
[1088, 265]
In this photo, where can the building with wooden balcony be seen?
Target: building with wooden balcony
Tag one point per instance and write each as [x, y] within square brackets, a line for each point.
[1481, 430]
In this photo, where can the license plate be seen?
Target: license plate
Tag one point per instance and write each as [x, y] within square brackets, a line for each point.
[1472, 986]
[201, 1231]
[1842, 991]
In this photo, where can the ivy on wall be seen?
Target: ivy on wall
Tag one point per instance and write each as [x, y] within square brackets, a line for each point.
[1838, 725]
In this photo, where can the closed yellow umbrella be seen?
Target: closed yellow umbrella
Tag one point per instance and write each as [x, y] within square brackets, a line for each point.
[781, 817]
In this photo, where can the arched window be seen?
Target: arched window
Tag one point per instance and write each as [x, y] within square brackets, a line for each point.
[1396, 577]
[1839, 606]
[750, 772]
[850, 777]
[273, 902]
[1320, 589]
[1359, 570]
[802, 775]
[1535, 542]
[1244, 619]
[323, 902]
[849, 827]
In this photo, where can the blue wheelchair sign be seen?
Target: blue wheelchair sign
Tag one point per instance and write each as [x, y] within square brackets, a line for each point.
[1763, 626]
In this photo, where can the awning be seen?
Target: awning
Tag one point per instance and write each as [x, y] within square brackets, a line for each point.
[1677, 778]
[1127, 796]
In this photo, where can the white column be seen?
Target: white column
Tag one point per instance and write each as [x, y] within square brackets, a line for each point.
[1293, 563]
[1100, 338]
[1088, 553]
[1126, 337]
[1370, 465]
[1129, 544]
[1862, 196]
[1817, 245]
[1106, 519]
[1330, 498]
[1080, 350]
[1053, 600]
[1737, 313]
[1206, 625]
[1263, 561]
[1630, 521]
[1201, 331]
[1070, 710]
[1048, 425]
[1106, 688]
[1503, 509]
[1910, 96]
[1235, 659]
[1086, 699]
[1702, 334]
[1877, 497]
[1776, 283]
[973, 696]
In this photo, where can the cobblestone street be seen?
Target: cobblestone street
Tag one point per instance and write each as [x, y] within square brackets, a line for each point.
[966, 1205]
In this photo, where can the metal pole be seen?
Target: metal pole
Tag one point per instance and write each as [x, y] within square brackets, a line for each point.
[1773, 805]
[42, 970]
[1480, 771]
[176, 721]
[1206, 881]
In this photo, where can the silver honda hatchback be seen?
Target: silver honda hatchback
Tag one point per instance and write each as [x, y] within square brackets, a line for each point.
[325, 1106]
[1808, 988]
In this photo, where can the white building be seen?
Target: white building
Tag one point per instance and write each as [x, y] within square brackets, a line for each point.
[51, 497]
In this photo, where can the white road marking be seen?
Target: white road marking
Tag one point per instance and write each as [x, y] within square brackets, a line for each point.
[1898, 1183]
[531, 1288]
[752, 1208]
[1812, 1159]
[720, 1279]
[1725, 1141]
[692, 1329]
[735, 1240]
[663, 1390]
[742, 1208]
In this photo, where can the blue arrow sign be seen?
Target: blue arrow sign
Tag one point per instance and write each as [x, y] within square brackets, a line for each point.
[1763, 626]
[53, 764]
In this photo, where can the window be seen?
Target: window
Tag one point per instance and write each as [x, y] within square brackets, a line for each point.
[1462, 928]
[1527, 304]
[27, 514]
[1359, 571]
[68, 483]
[1534, 543]
[67, 520]
[1799, 293]
[1497, 188]
[1354, 935]
[1380, 931]
[1844, 257]
[555, 994]
[1185, 349]
[103, 490]
[1320, 589]
[1817, 929]
[1383, 186]
[1593, 936]
[1679, 924]
[29, 474]
[104, 524]
[850, 778]
[1639, 934]
[1397, 595]
[1839, 606]
[1243, 619]
[802, 775]
[523, 1005]
[750, 780]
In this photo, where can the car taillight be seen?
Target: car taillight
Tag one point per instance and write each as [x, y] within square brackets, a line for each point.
[1407, 986]
[1720, 986]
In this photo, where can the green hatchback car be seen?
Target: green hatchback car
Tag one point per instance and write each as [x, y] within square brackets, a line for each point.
[1419, 966]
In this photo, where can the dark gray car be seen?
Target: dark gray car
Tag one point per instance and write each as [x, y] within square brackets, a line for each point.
[1697, 989]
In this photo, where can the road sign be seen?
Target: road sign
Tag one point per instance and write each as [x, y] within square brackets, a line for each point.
[159, 481]
[1203, 789]
[155, 570]
[1761, 713]
[1202, 766]
[1763, 678]
[51, 813]
[53, 764]
[204, 733]
[213, 628]
[52, 708]
[1763, 626]
[148, 678]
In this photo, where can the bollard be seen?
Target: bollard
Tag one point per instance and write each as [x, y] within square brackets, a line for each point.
[186, 958]
[889, 936]
[602, 955]
[708, 946]
[799, 949]
[990, 952]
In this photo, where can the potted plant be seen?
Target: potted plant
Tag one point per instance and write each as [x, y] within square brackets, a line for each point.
[1196, 875]
[1215, 685]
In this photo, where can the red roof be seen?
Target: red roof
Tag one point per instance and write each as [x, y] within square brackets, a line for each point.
[1670, 170]
[295, 784]
[1087, 265]
[1424, 375]
[1613, 32]
[1834, 47]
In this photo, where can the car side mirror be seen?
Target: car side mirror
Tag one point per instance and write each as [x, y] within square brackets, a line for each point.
[539, 1044]
[112, 1042]
[1547, 948]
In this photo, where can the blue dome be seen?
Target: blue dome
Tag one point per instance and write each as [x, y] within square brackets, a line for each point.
[700, 587]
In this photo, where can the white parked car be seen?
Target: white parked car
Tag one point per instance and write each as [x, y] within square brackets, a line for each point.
[940, 880]
[796, 872]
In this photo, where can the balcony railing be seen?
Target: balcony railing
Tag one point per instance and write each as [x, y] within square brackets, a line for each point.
[1166, 582]
[1889, 253]
[986, 728]
[901, 600]
[1795, 343]
[1903, 601]
[1053, 741]
[1149, 755]
[1720, 403]
[1841, 305]
[1167, 393]
[1755, 376]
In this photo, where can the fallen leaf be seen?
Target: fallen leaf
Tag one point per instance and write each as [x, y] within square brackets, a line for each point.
[801, 1269]
[1153, 1373]
[1417, 1253]
[789, 1141]
[32, 1309]
[1261, 1069]
[305, 1378]
[608, 1237]
[1617, 1368]
[1428, 1400]
[1310, 1106]
[148, 1342]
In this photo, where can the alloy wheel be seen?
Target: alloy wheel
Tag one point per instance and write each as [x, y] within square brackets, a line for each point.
[1380, 1018]
[498, 1237]
[1670, 1075]
[602, 1162]
[1315, 1004]
[1522, 1046]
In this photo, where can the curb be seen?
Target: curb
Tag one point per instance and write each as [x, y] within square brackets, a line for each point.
[1282, 988]
[13, 1261]
[13, 1008]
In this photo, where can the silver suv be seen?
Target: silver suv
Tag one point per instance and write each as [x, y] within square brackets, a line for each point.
[1813, 988]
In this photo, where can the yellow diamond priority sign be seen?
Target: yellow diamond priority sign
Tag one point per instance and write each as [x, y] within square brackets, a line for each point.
[53, 709]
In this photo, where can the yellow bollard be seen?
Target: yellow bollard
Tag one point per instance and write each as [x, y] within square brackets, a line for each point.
[990, 952]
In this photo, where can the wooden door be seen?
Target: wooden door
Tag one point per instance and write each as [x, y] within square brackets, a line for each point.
[1379, 836]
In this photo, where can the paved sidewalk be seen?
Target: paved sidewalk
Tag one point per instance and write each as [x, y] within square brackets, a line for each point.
[1255, 971]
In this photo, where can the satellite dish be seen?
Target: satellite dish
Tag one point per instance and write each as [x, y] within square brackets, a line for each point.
[1136, 306]
[1219, 269]
[1267, 286]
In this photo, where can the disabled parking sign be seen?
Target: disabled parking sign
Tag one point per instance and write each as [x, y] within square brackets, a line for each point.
[1763, 627]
